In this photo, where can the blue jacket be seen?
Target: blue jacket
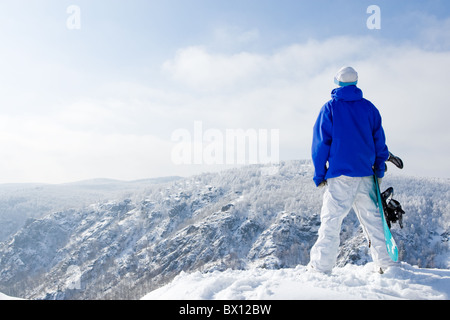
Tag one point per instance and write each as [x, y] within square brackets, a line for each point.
[348, 137]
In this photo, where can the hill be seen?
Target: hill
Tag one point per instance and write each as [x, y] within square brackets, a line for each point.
[253, 217]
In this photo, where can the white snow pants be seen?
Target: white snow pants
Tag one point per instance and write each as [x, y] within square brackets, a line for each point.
[341, 195]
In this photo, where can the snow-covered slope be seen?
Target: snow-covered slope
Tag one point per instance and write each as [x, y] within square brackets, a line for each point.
[349, 282]
[5, 297]
[23, 201]
[252, 217]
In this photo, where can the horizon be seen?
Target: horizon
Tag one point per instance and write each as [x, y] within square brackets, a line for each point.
[392, 172]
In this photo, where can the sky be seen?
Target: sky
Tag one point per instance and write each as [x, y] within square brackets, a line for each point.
[140, 89]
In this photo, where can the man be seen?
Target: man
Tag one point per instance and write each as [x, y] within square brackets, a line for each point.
[348, 146]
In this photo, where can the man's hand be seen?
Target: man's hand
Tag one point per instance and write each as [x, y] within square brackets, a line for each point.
[322, 184]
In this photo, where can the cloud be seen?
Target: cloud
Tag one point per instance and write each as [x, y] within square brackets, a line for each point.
[431, 32]
[234, 37]
[286, 89]
[39, 150]
[123, 128]
[202, 71]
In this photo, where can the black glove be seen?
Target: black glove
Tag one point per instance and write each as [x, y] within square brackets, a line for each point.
[396, 161]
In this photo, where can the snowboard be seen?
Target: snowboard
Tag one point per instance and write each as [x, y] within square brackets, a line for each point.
[391, 246]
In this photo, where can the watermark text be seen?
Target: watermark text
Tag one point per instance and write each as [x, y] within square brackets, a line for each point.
[374, 21]
[230, 146]
[73, 21]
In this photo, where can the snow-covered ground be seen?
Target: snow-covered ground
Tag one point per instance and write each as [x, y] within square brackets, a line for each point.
[5, 297]
[350, 282]
[240, 219]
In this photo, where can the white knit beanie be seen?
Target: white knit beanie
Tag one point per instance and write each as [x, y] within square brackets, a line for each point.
[346, 76]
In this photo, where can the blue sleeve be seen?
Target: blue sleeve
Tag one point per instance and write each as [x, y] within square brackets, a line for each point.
[382, 152]
[322, 138]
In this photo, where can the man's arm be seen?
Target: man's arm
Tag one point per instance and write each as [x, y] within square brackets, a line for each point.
[382, 152]
[322, 138]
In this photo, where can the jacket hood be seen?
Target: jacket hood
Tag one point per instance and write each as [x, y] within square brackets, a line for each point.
[348, 93]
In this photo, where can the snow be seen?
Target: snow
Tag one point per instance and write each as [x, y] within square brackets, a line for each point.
[351, 282]
[5, 297]
[207, 225]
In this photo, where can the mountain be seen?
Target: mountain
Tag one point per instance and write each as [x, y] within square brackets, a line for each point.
[263, 217]
[22, 201]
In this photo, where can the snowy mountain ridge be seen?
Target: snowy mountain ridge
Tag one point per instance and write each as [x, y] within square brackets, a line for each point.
[239, 219]
[22, 201]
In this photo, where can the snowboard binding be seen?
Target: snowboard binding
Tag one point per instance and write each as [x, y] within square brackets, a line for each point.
[392, 208]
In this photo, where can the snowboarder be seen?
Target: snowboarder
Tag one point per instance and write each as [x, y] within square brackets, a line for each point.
[349, 144]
